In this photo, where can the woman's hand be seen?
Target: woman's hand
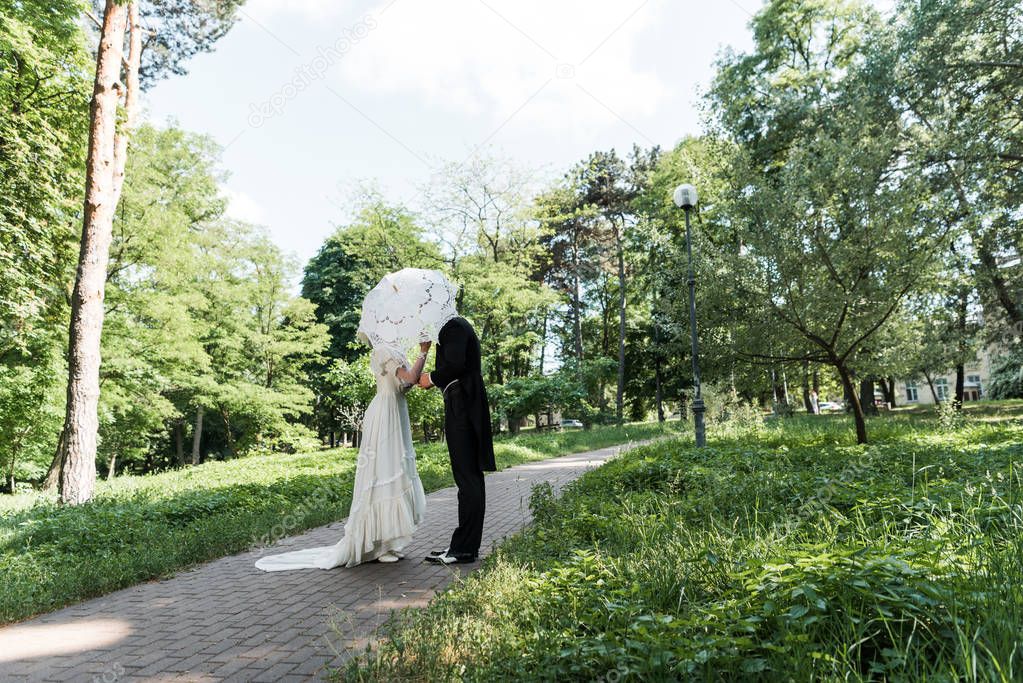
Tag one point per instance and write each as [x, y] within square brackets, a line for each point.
[425, 346]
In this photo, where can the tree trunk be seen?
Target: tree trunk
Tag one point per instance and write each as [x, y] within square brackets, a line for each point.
[659, 389]
[15, 447]
[807, 404]
[620, 395]
[104, 177]
[112, 466]
[53, 474]
[227, 432]
[857, 409]
[81, 422]
[9, 483]
[197, 435]
[543, 342]
[179, 441]
[989, 262]
[961, 312]
[867, 396]
[577, 315]
[131, 96]
[960, 385]
[930, 384]
[849, 395]
[888, 389]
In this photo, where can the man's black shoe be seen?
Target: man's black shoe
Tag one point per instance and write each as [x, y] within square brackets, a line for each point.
[450, 558]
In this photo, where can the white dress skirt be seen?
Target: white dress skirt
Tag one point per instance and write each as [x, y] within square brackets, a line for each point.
[388, 501]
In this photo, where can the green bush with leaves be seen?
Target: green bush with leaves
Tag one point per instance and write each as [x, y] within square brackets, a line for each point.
[793, 555]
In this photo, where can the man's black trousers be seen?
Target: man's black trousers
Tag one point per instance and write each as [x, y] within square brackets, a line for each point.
[463, 450]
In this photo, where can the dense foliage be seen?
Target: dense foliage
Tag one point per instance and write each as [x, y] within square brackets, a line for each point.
[787, 554]
[860, 221]
[1007, 376]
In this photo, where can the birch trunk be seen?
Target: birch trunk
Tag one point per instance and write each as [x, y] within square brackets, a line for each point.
[577, 315]
[961, 347]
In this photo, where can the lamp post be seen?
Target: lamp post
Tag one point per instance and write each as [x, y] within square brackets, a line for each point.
[685, 198]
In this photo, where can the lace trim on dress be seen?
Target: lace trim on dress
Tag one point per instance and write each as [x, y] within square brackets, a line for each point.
[391, 519]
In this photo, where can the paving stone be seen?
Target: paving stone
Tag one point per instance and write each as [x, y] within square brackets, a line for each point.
[227, 621]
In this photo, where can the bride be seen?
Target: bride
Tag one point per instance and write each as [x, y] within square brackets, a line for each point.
[388, 501]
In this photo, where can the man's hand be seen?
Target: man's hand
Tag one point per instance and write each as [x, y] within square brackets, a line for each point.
[424, 381]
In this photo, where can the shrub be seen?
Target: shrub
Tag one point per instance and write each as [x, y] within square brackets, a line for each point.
[791, 554]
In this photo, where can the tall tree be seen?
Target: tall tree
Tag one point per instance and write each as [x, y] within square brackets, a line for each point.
[481, 212]
[260, 339]
[43, 120]
[959, 75]
[152, 350]
[183, 28]
[835, 234]
[568, 234]
[610, 185]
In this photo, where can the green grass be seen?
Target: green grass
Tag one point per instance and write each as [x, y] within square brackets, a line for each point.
[139, 528]
[785, 553]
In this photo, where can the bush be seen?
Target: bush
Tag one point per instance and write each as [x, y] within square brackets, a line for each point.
[793, 554]
[950, 416]
[1007, 376]
[728, 412]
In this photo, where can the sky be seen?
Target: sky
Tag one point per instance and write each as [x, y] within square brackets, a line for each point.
[311, 99]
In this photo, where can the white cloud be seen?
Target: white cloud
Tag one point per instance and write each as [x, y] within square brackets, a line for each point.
[242, 207]
[492, 58]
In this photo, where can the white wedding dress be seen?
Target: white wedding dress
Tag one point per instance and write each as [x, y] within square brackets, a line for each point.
[388, 501]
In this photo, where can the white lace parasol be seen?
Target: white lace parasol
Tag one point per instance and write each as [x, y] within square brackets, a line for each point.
[407, 307]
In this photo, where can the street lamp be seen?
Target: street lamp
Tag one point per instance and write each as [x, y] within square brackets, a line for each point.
[685, 198]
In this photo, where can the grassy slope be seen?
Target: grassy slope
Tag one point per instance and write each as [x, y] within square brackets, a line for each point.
[139, 528]
[791, 554]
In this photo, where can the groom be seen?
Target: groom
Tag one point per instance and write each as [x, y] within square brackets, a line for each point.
[467, 429]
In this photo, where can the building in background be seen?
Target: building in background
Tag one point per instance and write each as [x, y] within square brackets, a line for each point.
[918, 391]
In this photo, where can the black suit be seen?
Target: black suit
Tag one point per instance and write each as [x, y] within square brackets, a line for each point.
[467, 428]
